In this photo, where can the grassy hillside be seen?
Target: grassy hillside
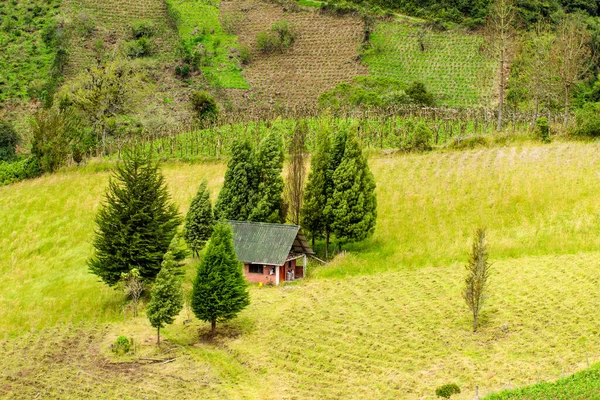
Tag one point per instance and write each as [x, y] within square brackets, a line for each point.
[394, 327]
[582, 385]
[25, 60]
[451, 65]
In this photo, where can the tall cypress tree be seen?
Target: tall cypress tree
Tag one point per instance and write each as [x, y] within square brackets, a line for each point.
[199, 220]
[353, 204]
[268, 201]
[136, 223]
[166, 300]
[235, 198]
[220, 289]
[315, 194]
[337, 154]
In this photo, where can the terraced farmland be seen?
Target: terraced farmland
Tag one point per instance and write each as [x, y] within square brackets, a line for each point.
[451, 66]
[323, 55]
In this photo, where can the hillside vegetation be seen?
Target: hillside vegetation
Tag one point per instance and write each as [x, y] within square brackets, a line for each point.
[396, 325]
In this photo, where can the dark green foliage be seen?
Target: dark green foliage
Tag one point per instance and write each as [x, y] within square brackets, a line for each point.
[199, 221]
[280, 37]
[121, 346]
[55, 134]
[18, 170]
[446, 391]
[136, 223]
[204, 106]
[9, 139]
[142, 47]
[582, 385]
[543, 129]
[315, 194]
[419, 94]
[588, 120]
[166, 300]
[354, 205]
[235, 198]
[268, 198]
[244, 55]
[366, 92]
[142, 28]
[220, 289]
[419, 139]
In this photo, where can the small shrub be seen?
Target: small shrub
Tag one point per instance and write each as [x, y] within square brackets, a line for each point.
[121, 346]
[183, 71]
[469, 142]
[9, 139]
[419, 94]
[141, 47]
[18, 170]
[542, 129]
[446, 391]
[204, 106]
[245, 55]
[142, 28]
[419, 139]
[280, 37]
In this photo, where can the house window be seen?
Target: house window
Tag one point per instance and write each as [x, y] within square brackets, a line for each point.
[255, 269]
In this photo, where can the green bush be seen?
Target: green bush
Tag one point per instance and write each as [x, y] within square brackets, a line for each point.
[245, 55]
[142, 28]
[183, 71]
[419, 139]
[419, 94]
[204, 106]
[446, 391]
[9, 139]
[588, 120]
[141, 47]
[543, 129]
[468, 143]
[121, 346]
[280, 37]
[19, 170]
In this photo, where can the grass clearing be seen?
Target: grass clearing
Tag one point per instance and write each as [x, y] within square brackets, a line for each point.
[454, 80]
[395, 326]
[200, 24]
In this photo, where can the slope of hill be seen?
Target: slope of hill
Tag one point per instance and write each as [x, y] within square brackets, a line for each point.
[449, 63]
[395, 326]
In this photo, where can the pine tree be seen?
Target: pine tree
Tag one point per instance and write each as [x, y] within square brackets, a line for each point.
[220, 289]
[268, 201]
[315, 194]
[353, 204]
[337, 154]
[199, 221]
[235, 199]
[166, 300]
[136, 223]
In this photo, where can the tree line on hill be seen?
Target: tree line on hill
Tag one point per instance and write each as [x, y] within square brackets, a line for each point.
[138, 242]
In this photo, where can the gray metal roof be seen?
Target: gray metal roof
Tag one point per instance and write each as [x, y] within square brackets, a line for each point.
[270, 244]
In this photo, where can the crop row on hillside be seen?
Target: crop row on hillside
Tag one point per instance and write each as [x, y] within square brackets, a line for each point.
[450, 63]
[25, 57]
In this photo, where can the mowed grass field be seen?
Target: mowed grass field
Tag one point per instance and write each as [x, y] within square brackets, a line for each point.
[384, 320]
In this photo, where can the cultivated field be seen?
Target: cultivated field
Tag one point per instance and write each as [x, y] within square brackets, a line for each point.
[451, 66]
[385, 320]
[323, 55]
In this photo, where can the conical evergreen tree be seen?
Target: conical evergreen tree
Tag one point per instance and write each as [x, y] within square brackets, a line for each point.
[353, 204]
[315, 194]
[268, 201]
[136, 223]
[166, 300]
[235, 199]
[337, 154]
[220, 289]
[199, 220]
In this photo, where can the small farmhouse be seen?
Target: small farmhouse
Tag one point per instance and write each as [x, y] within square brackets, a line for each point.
[271, 253]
